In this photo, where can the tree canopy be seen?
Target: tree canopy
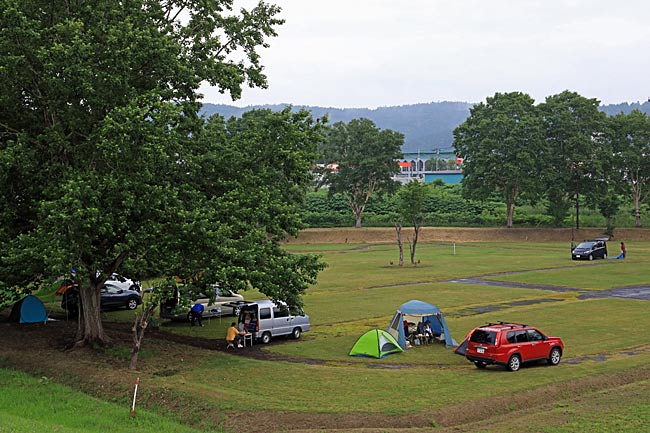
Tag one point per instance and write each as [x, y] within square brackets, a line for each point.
[106, 164]
[366, 158]
[630, 140]
[574, 151]
[501, 143]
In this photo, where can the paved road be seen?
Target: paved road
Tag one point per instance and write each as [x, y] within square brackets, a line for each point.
[627, 292]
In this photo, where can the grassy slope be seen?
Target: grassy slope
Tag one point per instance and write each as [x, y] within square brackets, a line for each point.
[38, 405]
[361, 290]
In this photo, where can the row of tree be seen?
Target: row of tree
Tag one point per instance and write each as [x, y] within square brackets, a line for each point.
[558, 150]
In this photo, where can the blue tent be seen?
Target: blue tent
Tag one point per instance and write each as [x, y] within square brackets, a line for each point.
[30, 309]
[419, 312]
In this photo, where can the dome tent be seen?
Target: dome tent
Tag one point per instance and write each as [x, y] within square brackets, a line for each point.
[30, 309]
[422, 312]
[375, 343]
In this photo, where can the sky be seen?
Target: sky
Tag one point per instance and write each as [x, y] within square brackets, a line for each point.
[377, 53]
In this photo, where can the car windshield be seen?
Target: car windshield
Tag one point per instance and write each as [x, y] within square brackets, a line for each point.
[586, 245]
[483, 336]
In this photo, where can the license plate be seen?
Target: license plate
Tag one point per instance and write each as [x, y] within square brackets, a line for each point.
[578, 255]
[480, 349]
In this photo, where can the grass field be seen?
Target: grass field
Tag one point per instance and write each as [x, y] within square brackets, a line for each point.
[312, 385]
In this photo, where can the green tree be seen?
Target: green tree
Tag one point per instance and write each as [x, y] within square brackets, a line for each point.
[574, 152]
[106, 165]
[501, 143]
[412, 199]
[630, 140]
[366, 157]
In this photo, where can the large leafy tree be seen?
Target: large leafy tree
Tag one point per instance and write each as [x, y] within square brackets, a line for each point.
[574, 152]
[630, 139]
[367, 158]
[106, 165]
[501, 143]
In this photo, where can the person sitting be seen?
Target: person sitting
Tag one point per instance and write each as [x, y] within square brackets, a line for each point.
[234, 336]
[426, 330]
[196, 314]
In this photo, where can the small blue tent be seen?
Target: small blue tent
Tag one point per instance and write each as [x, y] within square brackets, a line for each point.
[418, 311]
[30, 309]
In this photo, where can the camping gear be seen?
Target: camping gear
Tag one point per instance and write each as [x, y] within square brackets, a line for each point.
[375, 343]
[30, 309]
[419, 312]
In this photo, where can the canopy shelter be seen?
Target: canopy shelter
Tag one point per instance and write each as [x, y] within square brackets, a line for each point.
[375, 343]
[419, 312]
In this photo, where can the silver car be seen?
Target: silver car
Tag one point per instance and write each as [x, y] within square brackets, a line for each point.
[225, 303]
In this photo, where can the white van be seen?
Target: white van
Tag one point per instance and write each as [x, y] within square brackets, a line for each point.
[266, 319]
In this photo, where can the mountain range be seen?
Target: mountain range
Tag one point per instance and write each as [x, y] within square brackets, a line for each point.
[426, 126]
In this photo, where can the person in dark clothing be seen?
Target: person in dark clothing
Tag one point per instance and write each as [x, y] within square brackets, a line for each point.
[623, 250]
[196, 314]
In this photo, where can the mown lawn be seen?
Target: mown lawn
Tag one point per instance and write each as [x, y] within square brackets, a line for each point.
[361, 290]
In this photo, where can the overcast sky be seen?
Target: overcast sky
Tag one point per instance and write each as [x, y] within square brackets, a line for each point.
[377, 53]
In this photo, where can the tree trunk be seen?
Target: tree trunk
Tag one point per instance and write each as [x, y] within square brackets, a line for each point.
[510, 205]
[139, 326]
[637, 206]
[400, 245]
[511, 213]
[90, 329]
[357, 220]
[416, 229]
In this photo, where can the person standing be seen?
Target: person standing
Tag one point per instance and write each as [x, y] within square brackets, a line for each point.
[623, 250]
[196, 314]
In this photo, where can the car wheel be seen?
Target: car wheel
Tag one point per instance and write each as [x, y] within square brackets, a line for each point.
[514, 363]
[235, 311]
[591, 256]
[295, 334]
[555, 356]
[132, 304]
[480, 364]
[266, 338]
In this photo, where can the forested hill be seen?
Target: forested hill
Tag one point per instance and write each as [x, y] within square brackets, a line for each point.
[425, 126]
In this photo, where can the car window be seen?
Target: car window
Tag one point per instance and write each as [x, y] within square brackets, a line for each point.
[483, 336]
[585, 245]
[279, 312]
[110, 289]
[534, 335]
[265, 313]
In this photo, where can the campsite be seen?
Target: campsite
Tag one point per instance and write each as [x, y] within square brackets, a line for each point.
[189, 380]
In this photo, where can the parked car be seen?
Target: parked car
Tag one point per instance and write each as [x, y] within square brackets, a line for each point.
[266, 319]
[124, 283]
[225, 303]
[114, 296]
[589, 250]
[511, 345]
[111, 296]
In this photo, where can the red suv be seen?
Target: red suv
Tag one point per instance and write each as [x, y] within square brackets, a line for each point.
[511, 345]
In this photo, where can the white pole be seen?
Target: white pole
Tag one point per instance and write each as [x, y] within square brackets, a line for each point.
[135, 392]
[454, 248]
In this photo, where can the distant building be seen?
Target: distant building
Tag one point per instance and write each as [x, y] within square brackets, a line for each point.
[414, 167]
